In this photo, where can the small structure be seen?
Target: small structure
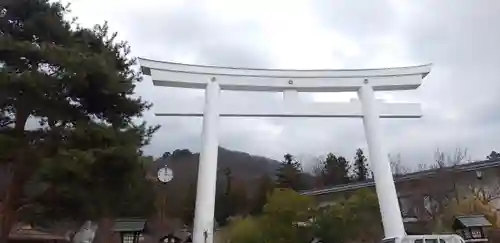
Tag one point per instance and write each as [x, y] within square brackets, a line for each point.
[472, 228]
[130, 229]
[26, 234]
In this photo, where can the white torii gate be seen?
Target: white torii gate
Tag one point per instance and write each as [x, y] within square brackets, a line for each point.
[363, 81]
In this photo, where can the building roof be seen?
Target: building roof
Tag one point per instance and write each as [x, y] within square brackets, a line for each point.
[471, 221]
[407, 177]
[129, 225]
[28, 233]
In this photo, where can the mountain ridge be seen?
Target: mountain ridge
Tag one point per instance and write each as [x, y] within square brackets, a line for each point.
[243, 165]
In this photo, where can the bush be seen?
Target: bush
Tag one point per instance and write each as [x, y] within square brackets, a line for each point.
[354, 219]
[245, 230]
[279, 222]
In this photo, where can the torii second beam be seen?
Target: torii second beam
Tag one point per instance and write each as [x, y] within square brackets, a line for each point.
[318, 110]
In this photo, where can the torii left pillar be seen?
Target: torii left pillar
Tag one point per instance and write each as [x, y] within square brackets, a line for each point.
[207, 168]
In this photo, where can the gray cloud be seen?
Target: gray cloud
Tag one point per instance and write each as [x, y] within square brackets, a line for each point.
[459, 96]
[461, 91]
[357, 19]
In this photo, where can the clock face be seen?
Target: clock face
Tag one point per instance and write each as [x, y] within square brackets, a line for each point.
[165, 174]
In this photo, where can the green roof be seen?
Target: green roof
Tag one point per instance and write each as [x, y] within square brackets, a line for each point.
[129, 225]
[472, 221]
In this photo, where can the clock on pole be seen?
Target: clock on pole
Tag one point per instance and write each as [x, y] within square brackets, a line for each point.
[165, 174]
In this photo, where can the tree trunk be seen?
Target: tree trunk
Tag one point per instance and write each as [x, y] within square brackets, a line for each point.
[8, 212]
[20, 174]
[104, 233]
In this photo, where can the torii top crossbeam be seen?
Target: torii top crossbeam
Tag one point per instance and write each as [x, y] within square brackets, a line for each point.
[194, 76]
[289, 82]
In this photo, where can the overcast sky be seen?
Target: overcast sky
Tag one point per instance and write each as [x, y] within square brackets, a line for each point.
[460, 97]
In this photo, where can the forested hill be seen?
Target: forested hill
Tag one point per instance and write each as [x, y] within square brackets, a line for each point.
[243, 166]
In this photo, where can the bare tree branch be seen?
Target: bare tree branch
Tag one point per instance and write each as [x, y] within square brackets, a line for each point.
[317, 168]
[450, 160]
[484, 193]
[397, 167]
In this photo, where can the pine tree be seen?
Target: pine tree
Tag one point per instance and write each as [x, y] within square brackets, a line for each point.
[289, 174]
[335, 170]
[344, 168]
[360, 166]
[79, 84]
[494, 155]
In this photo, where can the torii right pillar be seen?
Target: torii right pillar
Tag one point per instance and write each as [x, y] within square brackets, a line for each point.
[384, 182]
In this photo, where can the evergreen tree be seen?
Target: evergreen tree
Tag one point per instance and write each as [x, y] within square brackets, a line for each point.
[360, 166]
[223, 207]
[335, 170]
[344, 168]
[189, 205]
[232, 200]
[289, 174]
[166, 155]
[179, 153]
[78, 83]
[494, 155]
[264, 189]
[238, 198]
